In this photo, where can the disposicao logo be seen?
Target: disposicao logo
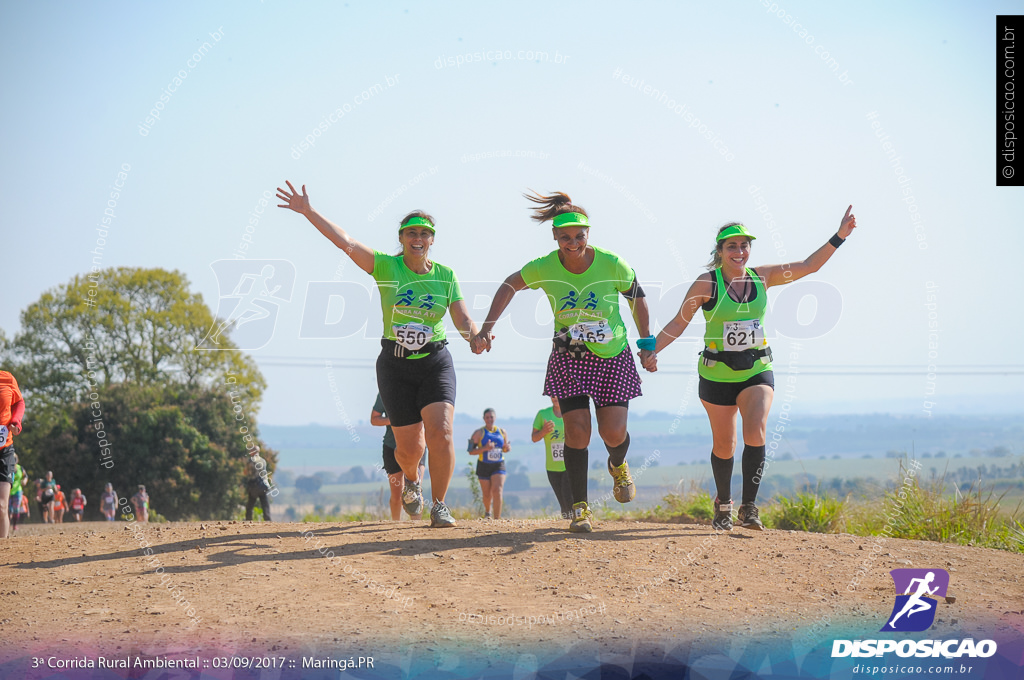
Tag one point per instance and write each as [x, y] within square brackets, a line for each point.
[913, 612]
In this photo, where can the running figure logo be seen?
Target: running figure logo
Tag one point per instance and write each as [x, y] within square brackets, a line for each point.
[591, 301]
[914, 610]
[570, 300]
[251, 293]
[428, 301]
[406, 298]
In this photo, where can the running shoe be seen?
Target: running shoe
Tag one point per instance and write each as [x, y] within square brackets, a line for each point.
[582, 519]
[748, 518]
[487, 515]
[624, 489]
[441, 516]
[723, 516]
[412, 497]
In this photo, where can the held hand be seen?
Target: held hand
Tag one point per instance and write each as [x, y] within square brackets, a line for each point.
[14, 427]
[848, 224]
[549, 427]
[648, 359]
[481, 342]
[294, 201]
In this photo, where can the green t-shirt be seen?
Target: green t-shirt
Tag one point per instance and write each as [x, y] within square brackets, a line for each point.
[554, 441]
[389, 435]
[587, 303]
[414, 304]
[19, 478]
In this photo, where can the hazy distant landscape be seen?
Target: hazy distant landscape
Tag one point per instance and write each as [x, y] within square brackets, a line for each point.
[839, 454]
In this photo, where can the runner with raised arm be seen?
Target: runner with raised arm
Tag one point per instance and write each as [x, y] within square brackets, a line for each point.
[415, 374]
[736, 364]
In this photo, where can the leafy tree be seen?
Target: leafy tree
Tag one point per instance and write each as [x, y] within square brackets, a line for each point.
[122, 325]
[115, 350]
[181, 442]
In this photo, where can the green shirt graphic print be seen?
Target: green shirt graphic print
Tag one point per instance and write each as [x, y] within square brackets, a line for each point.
[414, 304]
[588, 303]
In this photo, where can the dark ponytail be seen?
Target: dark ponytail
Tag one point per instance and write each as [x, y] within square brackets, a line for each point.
[551, 206]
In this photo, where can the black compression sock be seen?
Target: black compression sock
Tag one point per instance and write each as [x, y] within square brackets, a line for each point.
[617, 454]
[721, 468]
[753, 469]
[576, 461]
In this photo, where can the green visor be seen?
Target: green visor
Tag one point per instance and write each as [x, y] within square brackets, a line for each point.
[418, 222]
[735, 230]
[571, 219]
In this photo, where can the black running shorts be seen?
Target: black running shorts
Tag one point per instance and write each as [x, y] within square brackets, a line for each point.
[408, 385]
[391, 465]
[7, 464]
[724, 394]
[488, 470]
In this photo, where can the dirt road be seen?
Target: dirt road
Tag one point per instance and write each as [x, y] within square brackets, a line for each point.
[495, 589]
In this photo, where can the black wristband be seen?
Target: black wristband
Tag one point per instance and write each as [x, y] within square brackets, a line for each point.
[836, 241]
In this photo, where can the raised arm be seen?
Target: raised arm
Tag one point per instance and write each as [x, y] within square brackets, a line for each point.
[463, 323]
[506, 291]
[361, 254]
[778, 274]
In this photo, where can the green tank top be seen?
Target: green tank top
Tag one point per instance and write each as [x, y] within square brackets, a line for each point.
[735, 326]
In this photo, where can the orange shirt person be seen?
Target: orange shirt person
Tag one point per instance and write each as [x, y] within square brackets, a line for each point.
[60, 505]
[12, 410]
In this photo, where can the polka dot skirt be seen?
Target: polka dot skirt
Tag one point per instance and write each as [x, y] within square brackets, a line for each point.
[606, 381]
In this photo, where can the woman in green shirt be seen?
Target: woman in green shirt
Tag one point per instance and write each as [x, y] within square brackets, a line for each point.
[590, 358]
[548, 426]
[415, 374]
[735, 369]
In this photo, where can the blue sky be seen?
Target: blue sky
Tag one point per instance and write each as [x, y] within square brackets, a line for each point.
[82, 78]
